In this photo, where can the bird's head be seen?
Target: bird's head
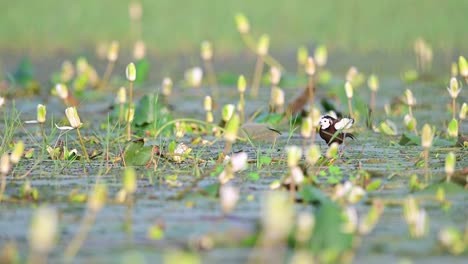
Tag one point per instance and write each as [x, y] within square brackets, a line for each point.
[325, 122]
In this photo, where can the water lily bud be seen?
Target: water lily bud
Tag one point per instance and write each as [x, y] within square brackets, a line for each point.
[310, 66]
[242, 23]
[277, 96]
[130, 72]
[277, 216]
[450, 163]
[463, 66]
[410, 122]
[209, 117]
[43, 230]
[139, 50]
[452, 129]
[17, 152]
[263, 45]
[275, 75]
[122, 95]
[349, 90]
[232, 127]
[229, 195]
[130, 180]
[62, 90]
[294, 155]
[239, 161]
[463, 111]
[2, 101]
[208, 103]
[373, 83]
[73, 117]
[206, 50]
[130, 114]
[241, 84]
[194, 76]
[166, 86]
[416, 218]
[454, 69]
[321, 55]
[97, 197]
[306, 127]
[67, 71]
[452, 239]
[313, 154]
[41, 113]
[228, 111]
[454, 90]
[351, 74]
[426, 136]
[302, 55]
[135, 10]
[315, 115]
[372, 217]
[305, 226]
[410, 100]
[332, 150]
[113, 52]
[5, 164]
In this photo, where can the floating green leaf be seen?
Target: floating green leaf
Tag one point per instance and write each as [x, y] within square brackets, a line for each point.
[137, 154]
[413, 140]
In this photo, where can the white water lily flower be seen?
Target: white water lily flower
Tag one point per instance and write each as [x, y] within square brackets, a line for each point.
[2, 101]
[239, 161]
[229, 195]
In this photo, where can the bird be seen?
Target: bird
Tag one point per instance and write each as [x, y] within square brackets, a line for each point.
[330, 125]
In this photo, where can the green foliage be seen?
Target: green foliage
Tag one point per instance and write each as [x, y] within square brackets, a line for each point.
[413, 140]
[137, 154]
[328, 238]
[142, 68]
[151, 113]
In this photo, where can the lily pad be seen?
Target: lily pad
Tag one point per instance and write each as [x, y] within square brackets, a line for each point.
[151, 112]
[448, 187]
[413, 140]
[137, 154]
[328, 235]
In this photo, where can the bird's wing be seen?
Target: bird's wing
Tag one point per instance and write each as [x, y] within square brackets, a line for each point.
[344, 123]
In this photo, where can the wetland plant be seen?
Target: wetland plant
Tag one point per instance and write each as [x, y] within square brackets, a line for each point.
[241, 87]
[427, 135]
[262, 51]
[310, 71]
[75, 123]
[302, 56]
[228, 197]
[43, 233]
[112, 56]
[349, 94]
[373, 83]
[166, 89]
[450, 165]
[208, 106]
[454, 90]
[206, 53]
[463, 68]
[121, 100]
[416, 218]
[131, 73]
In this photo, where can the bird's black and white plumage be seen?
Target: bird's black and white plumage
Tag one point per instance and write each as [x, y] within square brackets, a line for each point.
[329, 126]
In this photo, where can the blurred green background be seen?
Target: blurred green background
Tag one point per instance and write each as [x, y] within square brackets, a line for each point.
[173, 26]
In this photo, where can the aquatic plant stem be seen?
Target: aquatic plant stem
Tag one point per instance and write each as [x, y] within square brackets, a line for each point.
[372, 102]
[426, 164]
[3, 186]
[242, 107]
[350, 108]
[75, 245]
[107, 74]
[454, 107]
[212, 79]
[257, 77]
[130, 105]
[83, 148]
[310, 86]
[269, 60]
[44, 138]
